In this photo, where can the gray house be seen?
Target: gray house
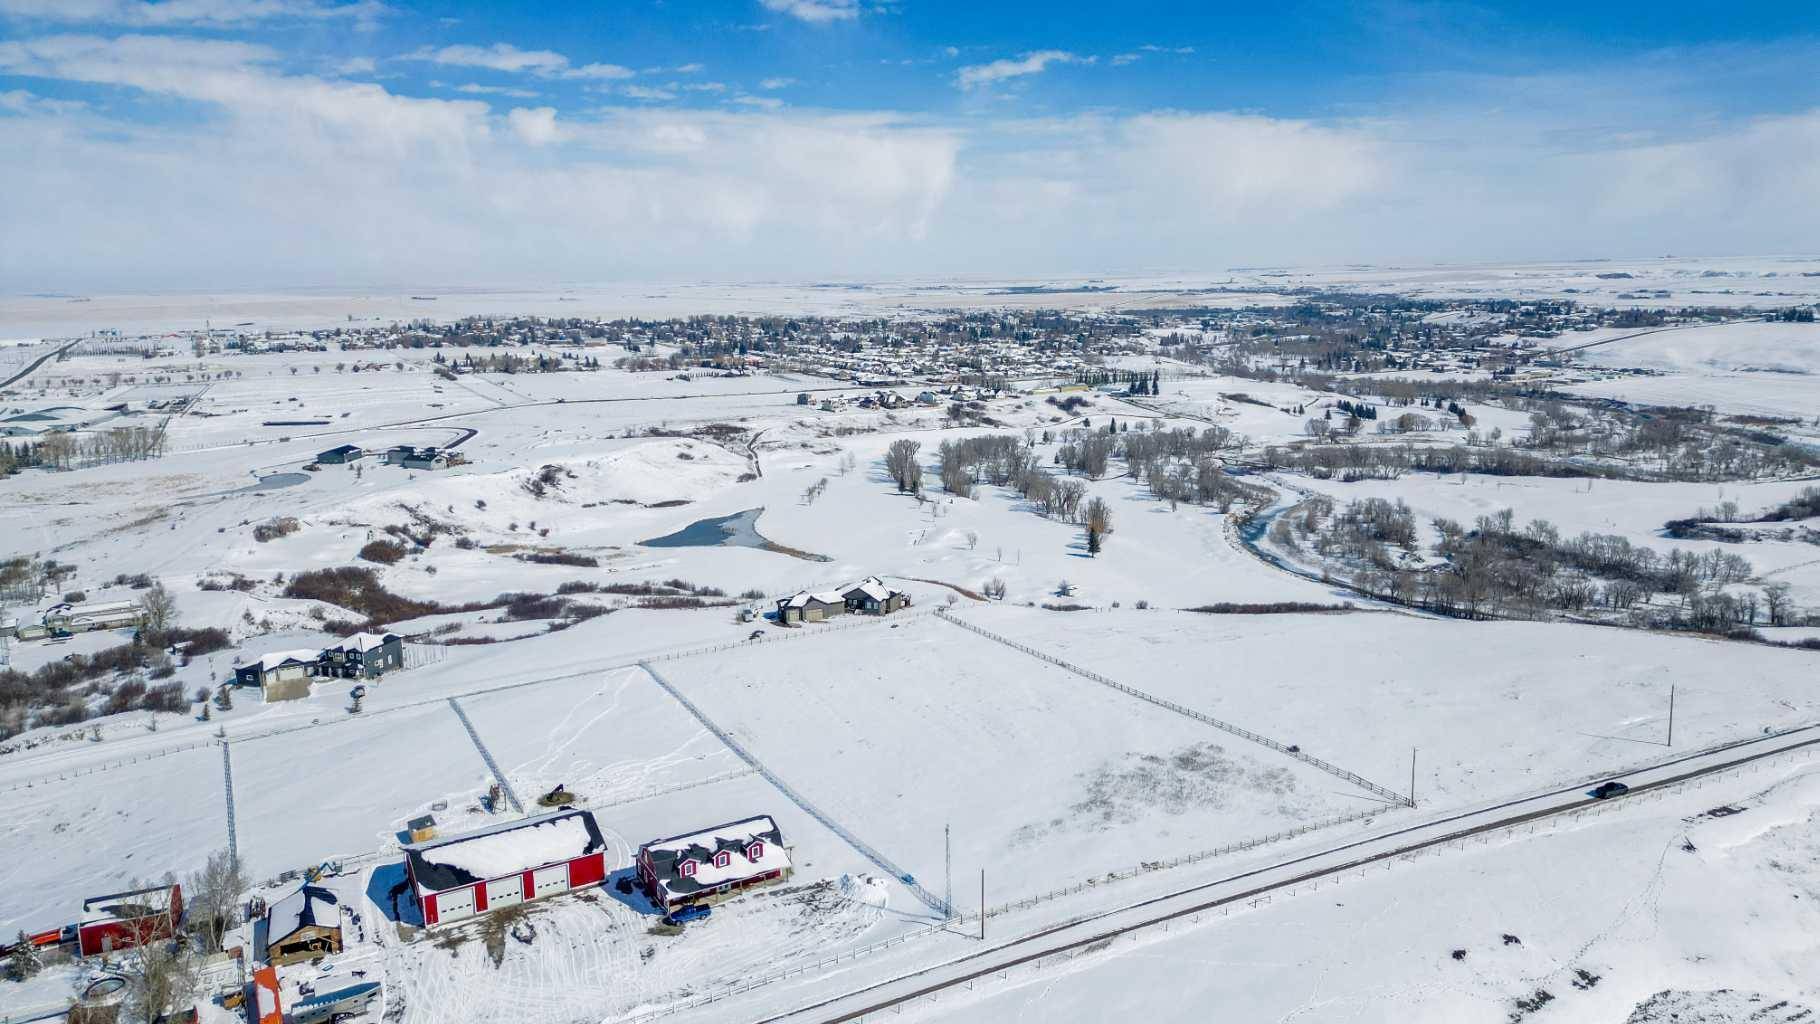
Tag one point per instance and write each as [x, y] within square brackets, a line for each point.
[363, 656]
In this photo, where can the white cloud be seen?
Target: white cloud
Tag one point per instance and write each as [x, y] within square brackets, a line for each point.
[776, 83]
[1179, 50]
[761, 102]
[165, 13]
[649, 93]
[288, 179]
[508, 58]
[815, 12]
[476, 89]
[356, 66]
[1119, 60]
[976, 75]
[536, 125]
[686, 69]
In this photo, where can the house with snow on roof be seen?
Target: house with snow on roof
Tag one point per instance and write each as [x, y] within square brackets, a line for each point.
[713, 863]
[363, 656]
[460, 877]
[281, 675]
[303, 926]
[870, 596]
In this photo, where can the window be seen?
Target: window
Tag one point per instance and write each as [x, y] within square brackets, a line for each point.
[686, 869]
[722, 859]
[756, 851]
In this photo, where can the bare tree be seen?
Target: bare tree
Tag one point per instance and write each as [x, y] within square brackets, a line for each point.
[900, 462]
[994, 589]
[214, 898]
[160, 609]
[1775, 602]
[973, 539]
[1099, 524]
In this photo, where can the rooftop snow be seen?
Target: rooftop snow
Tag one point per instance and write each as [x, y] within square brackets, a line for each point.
[503, 849]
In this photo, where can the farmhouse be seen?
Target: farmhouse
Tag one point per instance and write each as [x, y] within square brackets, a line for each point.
[872, 597]
[80, 618]
[127, 919]
[341, 454]
[869, 595]
[426, 458]
[303, 926]
[713, 862]
[363, 656]
[511, 862]
[281, 675]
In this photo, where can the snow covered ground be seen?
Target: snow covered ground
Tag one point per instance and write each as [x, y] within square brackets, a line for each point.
[1663, 913]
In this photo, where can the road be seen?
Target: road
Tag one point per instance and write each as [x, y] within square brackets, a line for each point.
[40, 361]
[1260, 884]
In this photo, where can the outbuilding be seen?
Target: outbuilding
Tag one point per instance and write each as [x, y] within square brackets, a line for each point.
[81, 618]
[713, 863]
[303, 926]
[513, 862]
[341, 454]
[124, 920]
[363, 656]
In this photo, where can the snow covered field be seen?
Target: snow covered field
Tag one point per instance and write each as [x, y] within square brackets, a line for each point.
[1666, 913]
[1046, 779]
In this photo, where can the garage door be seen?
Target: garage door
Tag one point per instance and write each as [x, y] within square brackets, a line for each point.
[503, 892]
[454, 905]
[551, 880]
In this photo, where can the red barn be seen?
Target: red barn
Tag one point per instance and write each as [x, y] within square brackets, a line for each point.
[511, 862]
[127, 919]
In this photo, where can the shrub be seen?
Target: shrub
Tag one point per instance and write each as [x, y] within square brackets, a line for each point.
[560, 558]
[272, 529]
[385, 552]
[358, 590]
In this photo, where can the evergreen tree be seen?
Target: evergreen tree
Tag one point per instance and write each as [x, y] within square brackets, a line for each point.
[24, 960]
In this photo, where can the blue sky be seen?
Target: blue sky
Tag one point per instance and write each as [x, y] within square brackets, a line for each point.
[264, 143]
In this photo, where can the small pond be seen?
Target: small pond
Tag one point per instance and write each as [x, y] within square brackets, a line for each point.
[739, 530]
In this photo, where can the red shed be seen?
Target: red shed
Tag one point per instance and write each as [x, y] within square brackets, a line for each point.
[511, 862]
[127, 919]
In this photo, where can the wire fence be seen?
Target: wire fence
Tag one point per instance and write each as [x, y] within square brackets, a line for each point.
[1150, 867]
[865, 849]
[1224, 726]
[1358, 869]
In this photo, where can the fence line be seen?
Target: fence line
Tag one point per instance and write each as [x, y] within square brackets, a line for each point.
[819, 629]
[1333, 876]
[884, 863]
[1239, 731]
[487, 756]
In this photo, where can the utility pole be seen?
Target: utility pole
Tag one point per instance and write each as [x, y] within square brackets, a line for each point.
[1412, 776]
[982, 904]
[1671, 714]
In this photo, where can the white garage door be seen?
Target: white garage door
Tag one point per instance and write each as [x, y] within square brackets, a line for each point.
[503, 892]
[550, 881]
[454, 905]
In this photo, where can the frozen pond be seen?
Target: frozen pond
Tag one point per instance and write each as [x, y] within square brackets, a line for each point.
[738, 530]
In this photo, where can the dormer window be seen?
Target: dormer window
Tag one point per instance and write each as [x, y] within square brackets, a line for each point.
[756, 851]
[722, 859]
[686, 869]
